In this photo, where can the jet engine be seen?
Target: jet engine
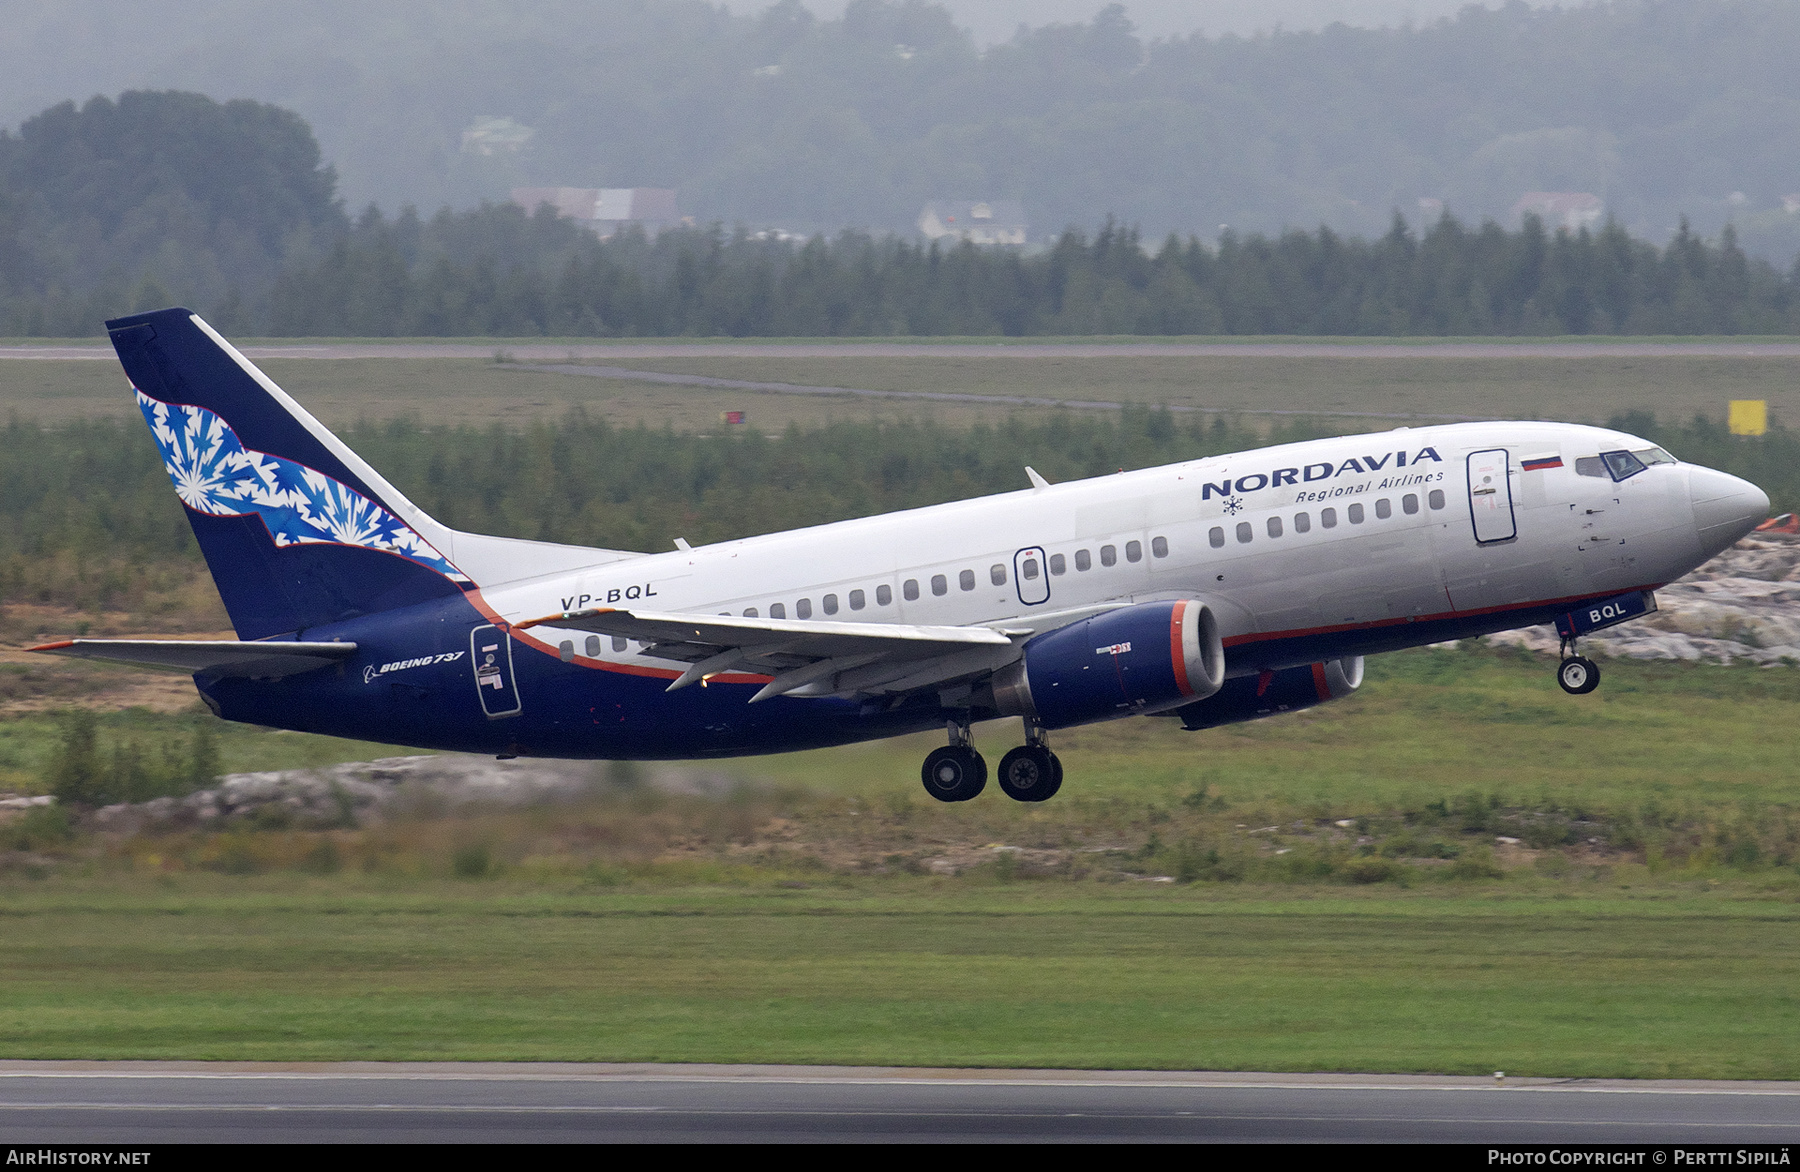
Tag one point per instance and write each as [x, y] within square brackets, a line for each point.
[1139, 659]
[1272, 692]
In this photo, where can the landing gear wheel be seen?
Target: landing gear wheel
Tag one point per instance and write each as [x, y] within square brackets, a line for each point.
[1578, 675]
[1030, 773]
[954, 773]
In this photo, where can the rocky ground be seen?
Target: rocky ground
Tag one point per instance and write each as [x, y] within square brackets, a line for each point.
[1744, 605]
[361, 792]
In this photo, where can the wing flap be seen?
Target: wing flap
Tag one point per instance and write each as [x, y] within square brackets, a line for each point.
[806, 638]
[803, 655]
[213, 657]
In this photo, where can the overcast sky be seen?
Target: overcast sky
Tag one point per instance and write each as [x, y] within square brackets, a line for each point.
[995, 20]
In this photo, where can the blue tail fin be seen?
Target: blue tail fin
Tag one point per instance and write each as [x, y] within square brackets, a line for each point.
[296, 529]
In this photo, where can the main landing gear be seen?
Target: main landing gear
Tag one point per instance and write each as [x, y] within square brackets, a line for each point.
[1577, 674]
[956, 772]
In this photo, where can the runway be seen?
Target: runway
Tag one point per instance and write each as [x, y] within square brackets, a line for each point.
[189, 1102]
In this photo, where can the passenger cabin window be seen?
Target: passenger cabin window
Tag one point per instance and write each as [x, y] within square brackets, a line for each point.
[884, 595]
[778, 610]
[803, 609]
[593, 646]
[1134, 551]
[858, 600]
[565, 651]
[910, 589]
[1083, 561]
[1058, 566]
[1109, 555]
[1028, 568]
[1215, 537]
[1159, 547]
[1409, 504]
[940, 585]
[1302, 523]
[1383, 509]
[829, 602]
[1274, 526]
[1435, 498]
[997, 572]
[966, 579]
[1328, 518]
[1356, 514]
[1244, 533]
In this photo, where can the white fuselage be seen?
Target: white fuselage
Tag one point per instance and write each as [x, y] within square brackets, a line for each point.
[1367, 531]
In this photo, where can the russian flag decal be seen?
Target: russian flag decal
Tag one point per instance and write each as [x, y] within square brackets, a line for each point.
[1540, 463]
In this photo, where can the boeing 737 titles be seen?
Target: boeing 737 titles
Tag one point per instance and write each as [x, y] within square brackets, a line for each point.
[1212, 591]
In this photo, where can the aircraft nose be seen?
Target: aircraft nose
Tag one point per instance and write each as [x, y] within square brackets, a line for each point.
[1725, 508]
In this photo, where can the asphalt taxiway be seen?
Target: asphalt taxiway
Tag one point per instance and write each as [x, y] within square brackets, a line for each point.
[186, 1102]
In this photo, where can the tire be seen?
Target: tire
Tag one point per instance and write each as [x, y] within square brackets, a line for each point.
[1578, 675]
[954, 773]
[1030, 773]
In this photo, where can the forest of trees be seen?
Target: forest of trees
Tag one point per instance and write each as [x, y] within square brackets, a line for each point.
[820, 123]
[165, 198]
[447, 277]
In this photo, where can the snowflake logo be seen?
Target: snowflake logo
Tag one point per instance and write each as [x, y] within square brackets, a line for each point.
[214, 473]
[1233, 506]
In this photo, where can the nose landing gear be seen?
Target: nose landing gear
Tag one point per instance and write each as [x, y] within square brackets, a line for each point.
[1576, 674]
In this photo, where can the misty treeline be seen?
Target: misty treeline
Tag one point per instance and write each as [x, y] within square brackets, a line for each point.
[162, 198]
[783, 118]
[88, 518]
[496, 273]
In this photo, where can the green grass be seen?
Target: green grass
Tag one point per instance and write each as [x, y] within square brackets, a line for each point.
[922, 974]
[482, 392]
[794, 921]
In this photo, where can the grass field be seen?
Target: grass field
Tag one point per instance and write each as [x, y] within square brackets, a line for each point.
[912, 974]
[1326, 891]
[455, 391]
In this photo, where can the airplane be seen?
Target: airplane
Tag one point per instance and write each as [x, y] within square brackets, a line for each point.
[1210, 591]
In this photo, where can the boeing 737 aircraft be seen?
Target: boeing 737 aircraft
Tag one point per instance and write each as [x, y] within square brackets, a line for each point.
[1212, 591]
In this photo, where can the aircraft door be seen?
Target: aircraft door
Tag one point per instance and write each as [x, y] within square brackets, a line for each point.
[490, 649]
[1031, 576]
[1490, 496]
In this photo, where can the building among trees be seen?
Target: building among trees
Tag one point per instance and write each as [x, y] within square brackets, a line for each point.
[1000, 221]
[606, 211]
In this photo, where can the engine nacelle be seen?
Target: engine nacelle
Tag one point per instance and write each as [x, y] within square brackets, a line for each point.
[1139, 659]
[1272, 692]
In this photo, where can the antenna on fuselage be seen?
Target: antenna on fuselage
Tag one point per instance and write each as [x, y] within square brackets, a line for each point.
[1036, 480]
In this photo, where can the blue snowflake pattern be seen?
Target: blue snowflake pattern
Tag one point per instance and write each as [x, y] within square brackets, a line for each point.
[214, 473]
[1233, 506]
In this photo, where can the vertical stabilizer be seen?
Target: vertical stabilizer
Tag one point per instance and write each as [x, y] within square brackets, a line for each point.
[297, 530]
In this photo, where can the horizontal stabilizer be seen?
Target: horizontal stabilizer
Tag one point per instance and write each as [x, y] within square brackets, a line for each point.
[211, 657]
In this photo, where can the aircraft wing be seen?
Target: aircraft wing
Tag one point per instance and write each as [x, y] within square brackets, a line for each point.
[213, 657]
[820, 657]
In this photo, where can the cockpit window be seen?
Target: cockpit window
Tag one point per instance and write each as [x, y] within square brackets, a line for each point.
[1589, 466]
[1622, 465]
[1654, 456]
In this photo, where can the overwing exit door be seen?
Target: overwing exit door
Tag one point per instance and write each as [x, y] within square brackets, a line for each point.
[1490, 496]
[1032, 577]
